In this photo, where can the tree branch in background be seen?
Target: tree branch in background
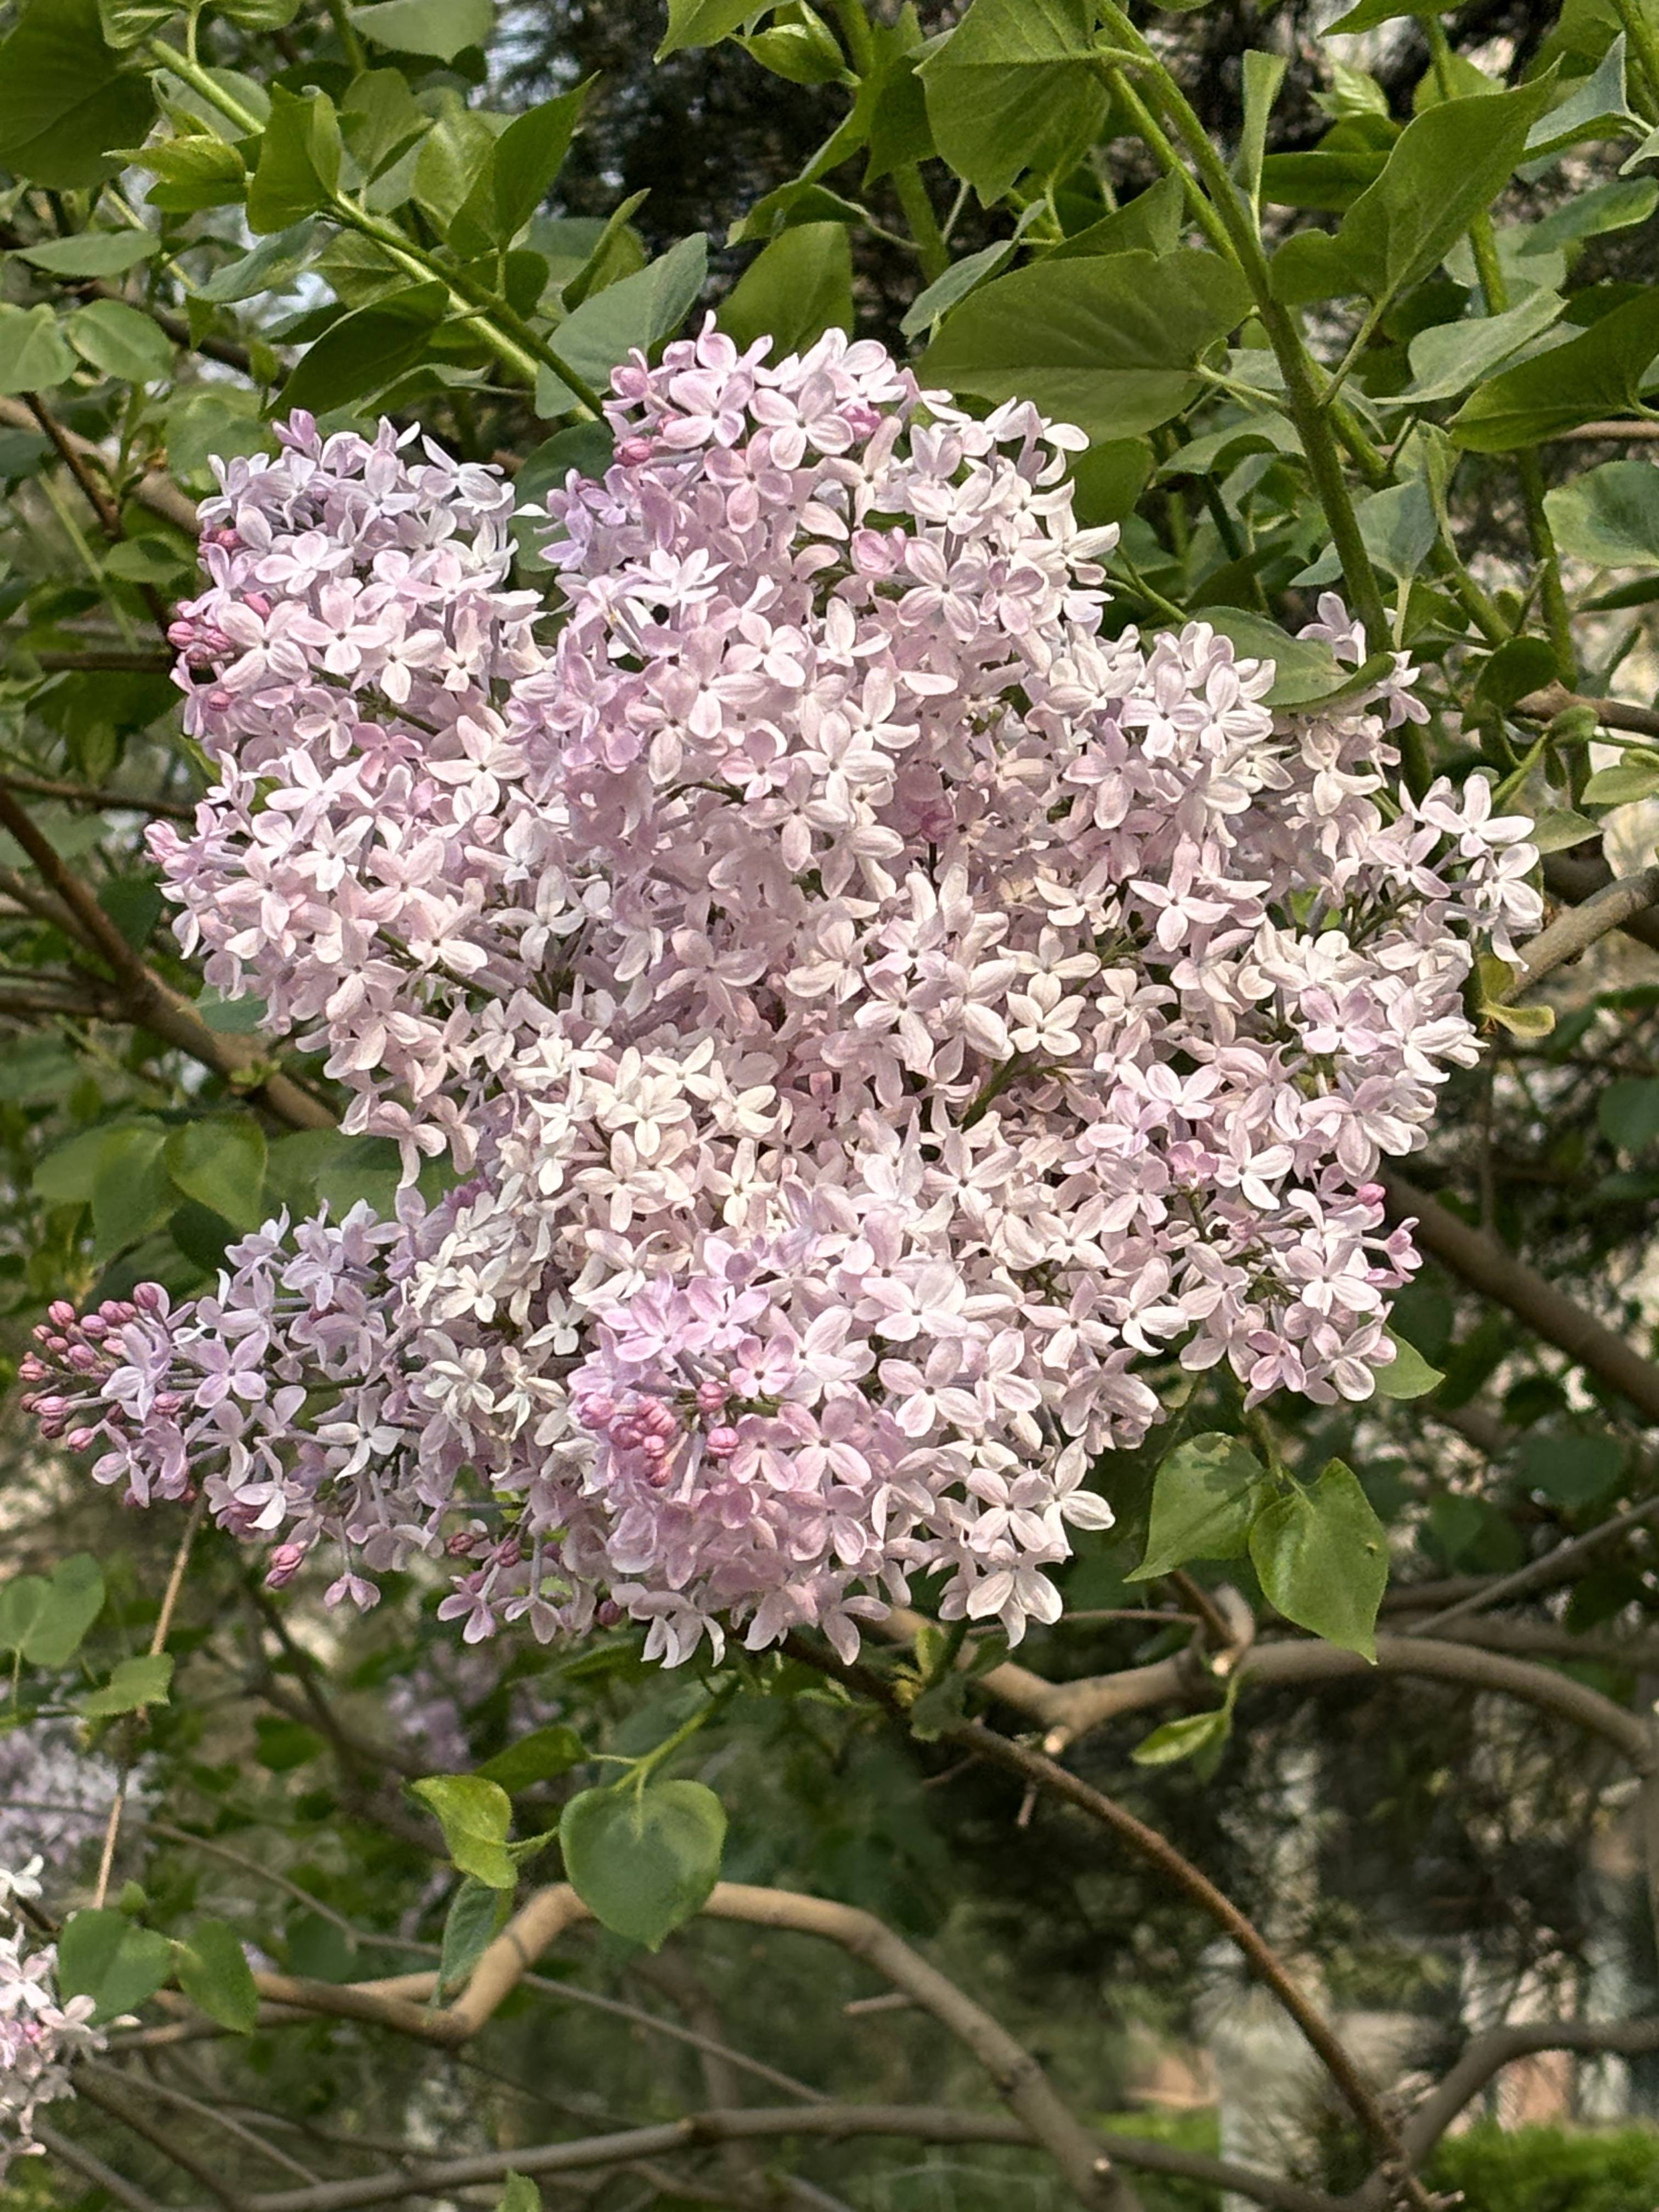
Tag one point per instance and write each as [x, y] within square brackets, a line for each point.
[76, 457]
[404, 2004]
[1572, 932]
[157, 492]
[150, 1002]
[1017, 2078]
[93, 2169]
[841, 2123]
[1579, 874]
[1069, 1711]
[93, 2084]
[81, 795]
[1555, 1566]
[1487, 1266]
[1612, 713]
[1488, 2054]
[1033, 1767]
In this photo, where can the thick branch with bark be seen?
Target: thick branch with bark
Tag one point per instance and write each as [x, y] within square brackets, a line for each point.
[404, 2004]
[1614, 906]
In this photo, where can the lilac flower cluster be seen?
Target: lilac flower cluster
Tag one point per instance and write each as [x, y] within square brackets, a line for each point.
[879, 1018]
[40, 2037]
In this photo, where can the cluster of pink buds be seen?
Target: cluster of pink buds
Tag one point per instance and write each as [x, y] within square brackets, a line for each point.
[78, 1353]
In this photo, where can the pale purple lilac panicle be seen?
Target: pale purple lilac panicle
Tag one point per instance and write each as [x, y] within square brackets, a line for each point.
[879, 1019]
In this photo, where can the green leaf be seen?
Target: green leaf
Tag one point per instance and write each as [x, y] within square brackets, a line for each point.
[1447, 358]
[1108, 480]
[535, 1758]
[803, 50]
[65, 99]
[1600, 374]
[793, 290]
[271, 266]
[1328, 179]
[477, 1913]
[315, 1166]
[120, 341]
[704, 22]
[135, 1684]
[1183, 1739]
[1570, 1470]
[1370, 13]
[132, 1193]
[1558, 828]
[1617, 206]
[214, 1974]
[23, 1601]
[150, 559]
[1203, 1497]
[1520, 1021]
[32, 353]
[1408, 1375]
[366, 350]
[519, 2194]
[69, 1174]
[92, 253]
[642, 310]
[69, 1604]
[1594, 106]
[475, 1815]
[1014, 87]
[1447, 167]
[1264, 73]
[443, 28]
[958, 281]
[381, 121]
[1109, 343]
[102, 1955]
[1305, 671]
[644, 1861]
[1150, 222]
[522, 164]
[1323, 1557]
[200, 171]
[1627, 1111]
[1399, 526]
[1622, 786]
[1609, 516]
[260, 14]
[129, 22]
[299, 168]
[219, 1162]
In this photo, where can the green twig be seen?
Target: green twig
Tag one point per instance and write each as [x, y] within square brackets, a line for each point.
[516, 344]
[932, 251]
[1226, 222]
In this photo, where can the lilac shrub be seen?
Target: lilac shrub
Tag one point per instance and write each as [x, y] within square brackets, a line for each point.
[878, 1020]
